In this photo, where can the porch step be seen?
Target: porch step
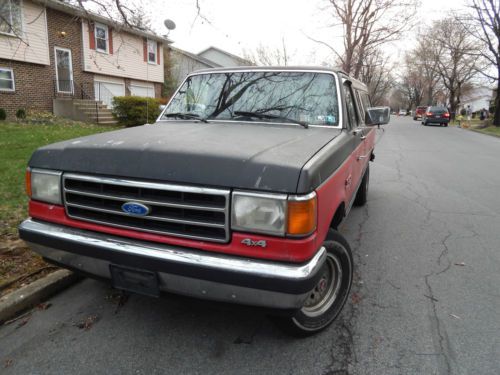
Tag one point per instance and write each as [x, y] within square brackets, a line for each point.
[87, 101]
[85, 106]
[86, 110]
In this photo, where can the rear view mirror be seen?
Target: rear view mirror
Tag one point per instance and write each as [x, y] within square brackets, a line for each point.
[377, 116]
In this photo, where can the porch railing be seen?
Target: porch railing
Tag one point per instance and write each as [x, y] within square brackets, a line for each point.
[95, 94]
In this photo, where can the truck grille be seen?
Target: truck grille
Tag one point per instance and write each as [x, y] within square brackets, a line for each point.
[176, 210]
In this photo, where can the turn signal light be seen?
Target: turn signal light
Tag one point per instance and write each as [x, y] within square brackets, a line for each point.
[302, 216]
[28, 182]
[446, 114]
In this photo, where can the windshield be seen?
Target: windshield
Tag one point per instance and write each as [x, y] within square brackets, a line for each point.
[285, 97]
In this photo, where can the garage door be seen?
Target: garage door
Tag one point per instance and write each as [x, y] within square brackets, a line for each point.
[106, 91]
[136, 90]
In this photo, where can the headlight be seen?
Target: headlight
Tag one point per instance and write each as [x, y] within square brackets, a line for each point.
[260, 213]
[45, 185]
[274, 214]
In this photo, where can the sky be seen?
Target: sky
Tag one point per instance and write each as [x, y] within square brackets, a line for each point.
[238, 26]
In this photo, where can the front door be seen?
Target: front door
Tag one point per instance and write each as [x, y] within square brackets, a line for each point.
[64, 70]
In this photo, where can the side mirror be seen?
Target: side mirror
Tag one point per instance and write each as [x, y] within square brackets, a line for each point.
[377, 116]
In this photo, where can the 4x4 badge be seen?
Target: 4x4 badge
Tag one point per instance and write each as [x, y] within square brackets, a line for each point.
[249, 242]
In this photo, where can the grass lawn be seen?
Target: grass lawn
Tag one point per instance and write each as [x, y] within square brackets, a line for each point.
[17, 143]
[492, 130]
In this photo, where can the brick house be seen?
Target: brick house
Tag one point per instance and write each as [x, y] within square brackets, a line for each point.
[57, 57]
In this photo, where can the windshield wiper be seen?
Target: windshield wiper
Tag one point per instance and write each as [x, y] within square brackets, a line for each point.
[185, 115]
[260, 115]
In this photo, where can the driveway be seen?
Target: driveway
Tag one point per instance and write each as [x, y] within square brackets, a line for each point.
[426, 298]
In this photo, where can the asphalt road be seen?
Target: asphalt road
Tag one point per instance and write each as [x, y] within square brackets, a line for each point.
[426, 298]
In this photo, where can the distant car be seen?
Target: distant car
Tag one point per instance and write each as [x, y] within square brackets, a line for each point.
[402, 112]
[436, 115]
[419, 112]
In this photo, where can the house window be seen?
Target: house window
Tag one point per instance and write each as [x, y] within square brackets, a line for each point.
[152, 50]
[7, 79]
[101, 37]
[10, 17]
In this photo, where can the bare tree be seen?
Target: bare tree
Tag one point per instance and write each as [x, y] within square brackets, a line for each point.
[267, 56]
[376, 74]
[420, 78]
[367, 24]
[484, 25]
[454, 52]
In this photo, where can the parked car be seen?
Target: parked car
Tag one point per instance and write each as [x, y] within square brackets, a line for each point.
[436, 115]
[419, 112]
[402, 112]
[235, 194]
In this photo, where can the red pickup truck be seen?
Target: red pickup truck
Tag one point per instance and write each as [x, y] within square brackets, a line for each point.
[235, 194]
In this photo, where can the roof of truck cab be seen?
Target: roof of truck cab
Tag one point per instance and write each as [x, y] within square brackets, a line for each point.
[280, 68]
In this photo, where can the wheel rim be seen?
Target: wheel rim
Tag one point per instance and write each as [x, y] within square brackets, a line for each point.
[326, 290]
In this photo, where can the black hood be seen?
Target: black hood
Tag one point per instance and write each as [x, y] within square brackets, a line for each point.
[239, 155]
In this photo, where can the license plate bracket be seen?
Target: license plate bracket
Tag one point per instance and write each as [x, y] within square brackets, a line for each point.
[134, 280]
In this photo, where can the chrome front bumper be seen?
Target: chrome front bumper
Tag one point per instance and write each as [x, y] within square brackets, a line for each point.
[180, 270]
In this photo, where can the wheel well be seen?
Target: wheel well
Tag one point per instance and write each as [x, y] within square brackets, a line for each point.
[338, 217]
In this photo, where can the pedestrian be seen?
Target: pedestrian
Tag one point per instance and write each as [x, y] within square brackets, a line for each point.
[483, 114]
[468, 112]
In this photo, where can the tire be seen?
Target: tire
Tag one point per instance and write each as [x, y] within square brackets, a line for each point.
[323, 306]
[362, 193]
[414, 119]
[446, 125]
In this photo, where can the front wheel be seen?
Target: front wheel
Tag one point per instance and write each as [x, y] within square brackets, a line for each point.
[326, 300]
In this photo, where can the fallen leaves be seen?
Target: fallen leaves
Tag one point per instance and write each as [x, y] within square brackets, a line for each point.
[7, 363]
[88, 322]
[356, 298]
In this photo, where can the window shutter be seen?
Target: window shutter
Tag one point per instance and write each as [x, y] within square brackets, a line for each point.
[145, 49]
[91, 35]
[158, 53]
[110, 40]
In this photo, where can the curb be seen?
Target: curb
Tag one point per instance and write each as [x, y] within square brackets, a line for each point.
[479, 131]
[34, 293]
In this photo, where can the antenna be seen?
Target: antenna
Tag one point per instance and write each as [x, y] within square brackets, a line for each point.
[169, 24]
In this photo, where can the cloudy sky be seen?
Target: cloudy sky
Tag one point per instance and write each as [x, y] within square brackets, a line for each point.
[239, 25]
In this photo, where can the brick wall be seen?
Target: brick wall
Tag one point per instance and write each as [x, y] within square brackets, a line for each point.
[33, 89]
[65, 31]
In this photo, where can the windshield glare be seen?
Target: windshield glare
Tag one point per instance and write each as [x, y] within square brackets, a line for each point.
[259, 96]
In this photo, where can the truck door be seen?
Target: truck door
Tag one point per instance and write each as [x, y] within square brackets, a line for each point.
[356, 130]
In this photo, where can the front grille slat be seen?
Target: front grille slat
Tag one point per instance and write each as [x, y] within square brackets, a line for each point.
[145, 201]
[177, 210]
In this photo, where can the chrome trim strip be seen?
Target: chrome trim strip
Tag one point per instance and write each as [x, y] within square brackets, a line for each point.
[332, 73]
[147, 217]
[164, 233]
[302, 198]
[147, 185]
[45, 171]
[263, 268]
[280, 197]
[146, 201]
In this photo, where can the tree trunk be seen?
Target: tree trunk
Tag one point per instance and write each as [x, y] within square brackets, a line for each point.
[453, 105]
[496, 118]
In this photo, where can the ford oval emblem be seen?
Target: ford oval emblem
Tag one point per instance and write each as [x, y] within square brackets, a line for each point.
[136, 209]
